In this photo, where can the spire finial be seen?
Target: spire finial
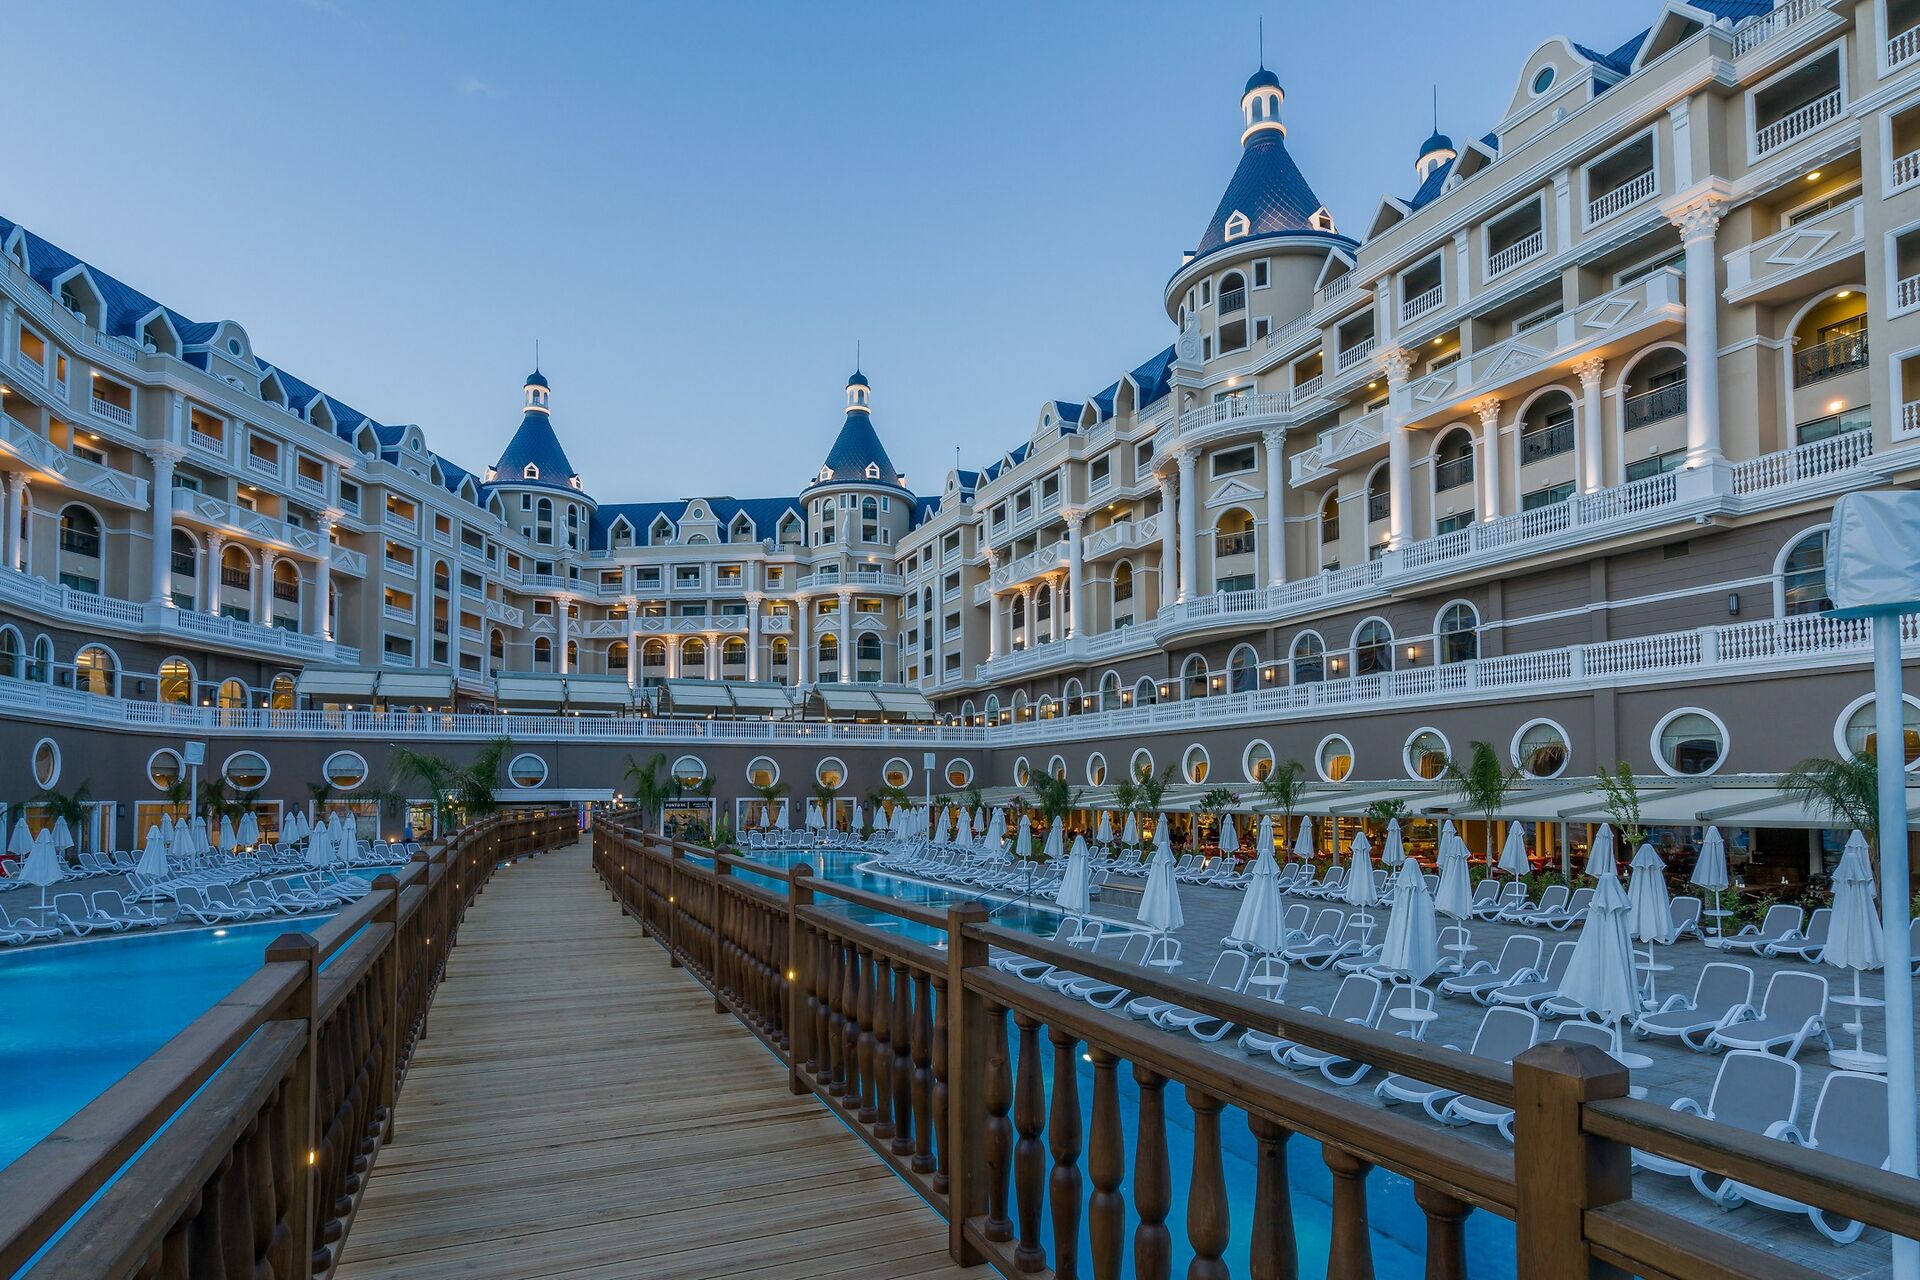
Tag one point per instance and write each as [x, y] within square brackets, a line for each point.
[536, 355]
[1436, 107]
[1263, 41]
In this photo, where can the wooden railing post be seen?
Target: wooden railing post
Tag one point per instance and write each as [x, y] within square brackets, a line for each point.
[303, 1100]
[801, 1001]
[968, 1029]
[717, 916]
[675, 891]
[389, 915]
[1559, 1171]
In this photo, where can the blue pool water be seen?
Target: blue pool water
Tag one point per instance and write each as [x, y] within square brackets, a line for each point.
[1397, 1224]
[78, 1017]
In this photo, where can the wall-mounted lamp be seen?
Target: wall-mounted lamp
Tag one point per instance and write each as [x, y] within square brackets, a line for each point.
[1733, 604]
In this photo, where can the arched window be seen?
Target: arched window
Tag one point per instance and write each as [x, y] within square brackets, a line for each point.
[1110, 699]
[617, 658]
[176, 682]
[867, 659]
[779, 651]
[542, 654]
[286, 582]
[1047, 707]
[1072, 697]
[1453, 460]
[1122, 593]
[993, 708]
[1309, 658]
[1457, 633]
[1020, 711]
[41, 667]
[281, 694]
[1145, 692]
[1193, 677]
[1546, 428]
[653, 661]
[693, 657]
[969, 714]
[12, 653]
[497, 647]
[1330, 517]
[232, 696]
[1372, 647]
[543, 520]
[1233, 536]
[94, 670]
[1243, 670]
[80, 532]
[1379, 493]
[573, 655]
[733, 654]
[1803, 576]
[828, 652]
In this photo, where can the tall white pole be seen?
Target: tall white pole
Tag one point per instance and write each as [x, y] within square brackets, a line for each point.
[1889, 722]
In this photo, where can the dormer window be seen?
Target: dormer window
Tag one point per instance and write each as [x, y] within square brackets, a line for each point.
[530, 472]
[573, 482]
[826, 474]
[1321, 221]
[1237, 225]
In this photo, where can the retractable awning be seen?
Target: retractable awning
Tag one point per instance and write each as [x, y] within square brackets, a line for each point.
[1353, 801]
[871, 701]
[349, 683]
[416, 686]
[907, 704]
[531, 692]
[599, 693]
[761, 696]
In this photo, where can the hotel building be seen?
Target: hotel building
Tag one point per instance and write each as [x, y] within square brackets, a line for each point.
[1539, 451]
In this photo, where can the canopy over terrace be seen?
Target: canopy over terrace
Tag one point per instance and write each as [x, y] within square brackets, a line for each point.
[354, 686]
[732, 698]
[869, 702]
[553, 694]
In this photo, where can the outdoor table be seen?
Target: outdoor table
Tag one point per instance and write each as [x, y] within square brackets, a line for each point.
[1718, 917]
[1418, 1018]
[1454, 959]
[1858, 1058]
[1267, 980]
[1165, 962]
[1652, 968]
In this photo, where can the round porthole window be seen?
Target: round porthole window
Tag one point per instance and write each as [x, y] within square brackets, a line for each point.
[246, 770]
[526, 770]
[1426, 754]
[959, 774]
[1096, 769]
[1334, 759]
[1196, 764]
[163, 768]
[1540, 749]
[1856, 733]
[1542, 80]
[1141, 764]
[831, 772]
[1022, 772]
[689, 771]
[344, 770]
[1257, 761]
[762, 771]
[896, 772]
[1057, 768]
[46, 762]
[1689, 743]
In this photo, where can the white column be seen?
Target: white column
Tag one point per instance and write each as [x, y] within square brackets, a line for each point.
[633, 651]
[753, 636]
[801, 651]
[1056, 614]
[263, 589]
[1698, 222]
[1398, 364]
[846, 636]
[994, 648]
[1275, 442]
[1488, 469]
[1032, 625]
[215, 543]
[7, 327]
[1593, 438]
[16, 503]
[163, 460]
[1076, 572]
[323, 577]
[1169, 557]
[562, 626]
[713, 656]
[1189, 501]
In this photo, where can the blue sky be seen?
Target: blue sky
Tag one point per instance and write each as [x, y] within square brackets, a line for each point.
[698, 208]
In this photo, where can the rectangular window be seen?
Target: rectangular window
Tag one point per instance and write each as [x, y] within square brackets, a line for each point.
[1547, 497]
[1658, 465]
[1453, 523]
[397, 646]
[1260, 274]
[350, 496]
[1231, 462]
[1142, 457]
[1099, 473]
[646, 576]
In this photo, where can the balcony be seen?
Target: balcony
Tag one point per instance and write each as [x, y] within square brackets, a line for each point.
[704, 625]
[1453, 473]
[1235, 409]
[1627, 194]
[1379, 507]
[1798, 123]
[1764, 269]
[1305, 391]
[1338, 443]
[396, 612]
[1787, 13]
[347, 560]
[1355, 355]
[1656, 405]
[1415, 307]
[1337, 287]
[1127, 535]
[265, 465]
[36, 370]
[94, 479]
[830, 580]
[1233, 300]
[1829, 359]
[217, 513]
[311, 484]
[1521, 251]
[206, 440]
[1547, 441]
[108, 411]
[1037, 563]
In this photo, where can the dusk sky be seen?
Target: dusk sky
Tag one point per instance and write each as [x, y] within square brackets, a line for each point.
[697, 209]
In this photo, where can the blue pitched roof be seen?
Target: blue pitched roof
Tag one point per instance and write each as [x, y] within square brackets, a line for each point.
[1154, 378]
[535, 444]
[855, 449]
[1431, 187]
[1269, 189]
[1103, 400]
[765, 513]
[1620, 61]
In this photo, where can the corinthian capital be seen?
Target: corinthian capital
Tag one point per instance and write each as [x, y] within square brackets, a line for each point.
[1397, 362]
[1699, 218]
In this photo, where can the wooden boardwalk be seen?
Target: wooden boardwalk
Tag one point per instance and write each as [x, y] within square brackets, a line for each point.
[579, 1110]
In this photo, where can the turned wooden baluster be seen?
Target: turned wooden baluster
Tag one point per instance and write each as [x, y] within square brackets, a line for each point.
[1029, 1154]
[820, 1001]
[1349, 1246]
[879, 1109]
[937, 1134]
[862, 1034]
[1107, 1166]
[1063, 1140]
[901, 1024]
[1273, 1254]
[837, 1016]
[850, 1030]
[920, 1087]
[1446, 1234]
[1152, 1181]
[999, 1143]
[1207, 1192]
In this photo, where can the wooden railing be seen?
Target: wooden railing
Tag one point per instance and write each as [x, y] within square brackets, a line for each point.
[941, 1063]
[242, 1147]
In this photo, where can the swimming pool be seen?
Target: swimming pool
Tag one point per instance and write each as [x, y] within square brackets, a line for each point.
[1395, 1220]
[80, 1016]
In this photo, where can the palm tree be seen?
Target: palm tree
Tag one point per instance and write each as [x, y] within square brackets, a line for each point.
[1284, 787]
[885, 797]
[461, 793]
[1845, 792]
[1383, 811]
[1484, 784]
[72, 806]
[651, 785]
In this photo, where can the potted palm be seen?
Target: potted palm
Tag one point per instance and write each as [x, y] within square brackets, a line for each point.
[1844, 792]
[651, 785]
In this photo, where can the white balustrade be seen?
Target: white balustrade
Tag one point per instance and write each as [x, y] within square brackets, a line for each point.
[1795, 124]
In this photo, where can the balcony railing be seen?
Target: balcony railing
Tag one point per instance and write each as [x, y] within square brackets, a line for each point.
[287, 591]
[1335, 287]
[1516, 253]
[1812, 244]
[1418, 305]
[1906, 168]
[1379, 506]
[1233, 300]
[1829, 359]
[1768, 25]
[1303, 391]
[1797, 123]
[111, 412]
[259, 462]
[240, 579]
[1355, 354]
[397, 612]
[1656, 405]
[1233, 544]
[1547, 441]
[1630, 192]
[1910, 418]
[206, 440]
[311, 484]
[80, 543]
[1821, 458]
[1229, 408]
[1452, 473]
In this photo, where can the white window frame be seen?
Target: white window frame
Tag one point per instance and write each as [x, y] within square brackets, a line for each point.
[1320, 751]
[1406, 750]
[1660, 727]
[1539, 199]
[1513, 748]
[1838, 47]
[1586, 178]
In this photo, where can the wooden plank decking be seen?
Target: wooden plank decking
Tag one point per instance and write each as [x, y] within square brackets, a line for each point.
[579, 1110]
